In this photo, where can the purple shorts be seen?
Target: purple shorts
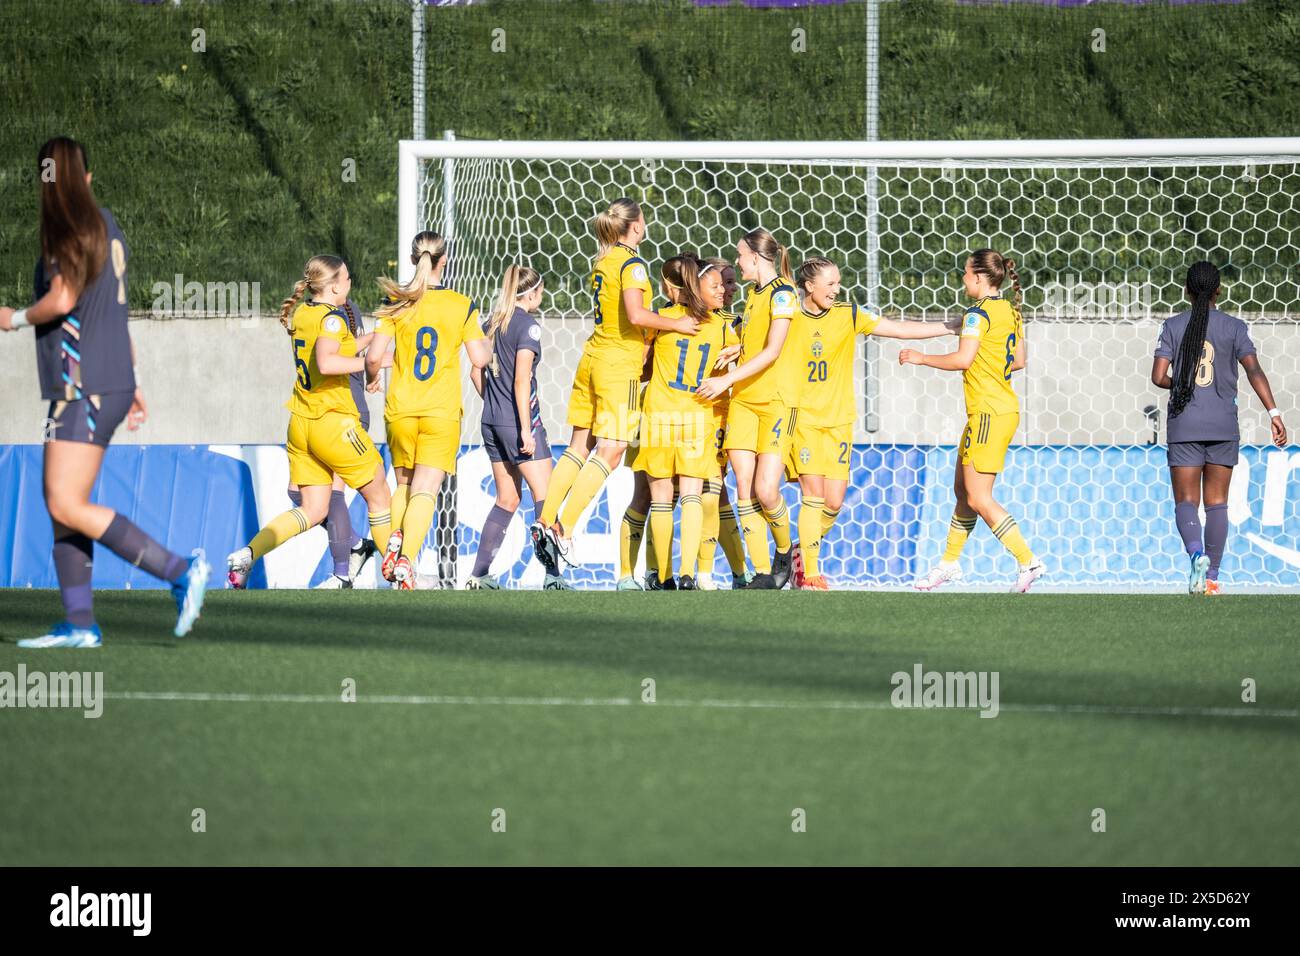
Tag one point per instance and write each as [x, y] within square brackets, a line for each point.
[91, 420]
[1194, 454]
[502, 444]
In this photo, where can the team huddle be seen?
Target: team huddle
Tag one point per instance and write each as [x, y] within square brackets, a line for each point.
[680, 393]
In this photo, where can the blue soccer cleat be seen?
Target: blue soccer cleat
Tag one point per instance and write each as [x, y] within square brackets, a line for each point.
[64, 634]
[188, 592]
[1196, 579]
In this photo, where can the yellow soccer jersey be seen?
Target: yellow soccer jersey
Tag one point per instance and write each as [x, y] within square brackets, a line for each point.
[681, 363]
[780, 380]
[826, 341]
[988, 380]
[315, 394]
[425, 380]
[616, 341]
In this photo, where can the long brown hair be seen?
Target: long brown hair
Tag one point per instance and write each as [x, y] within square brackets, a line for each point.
[765, 244]
[683, 274]
[73, 234]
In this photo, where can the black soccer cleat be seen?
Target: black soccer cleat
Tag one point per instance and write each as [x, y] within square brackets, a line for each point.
[783, 567]
[652, 582]
[542, 548]
[762, 582]
[687, 583]
[669, 584]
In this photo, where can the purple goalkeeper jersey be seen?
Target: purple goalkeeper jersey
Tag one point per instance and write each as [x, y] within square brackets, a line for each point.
[1211, 415]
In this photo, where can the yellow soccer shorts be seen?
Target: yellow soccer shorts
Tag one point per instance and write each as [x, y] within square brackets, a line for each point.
[985, 441]
[719, 440]
[334, 444]
[763, 429]
[635, 457]
[688, 452]
[433, 442]
[820, 451]
[606, 399]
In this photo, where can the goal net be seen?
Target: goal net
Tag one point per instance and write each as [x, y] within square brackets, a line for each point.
[1102, 232]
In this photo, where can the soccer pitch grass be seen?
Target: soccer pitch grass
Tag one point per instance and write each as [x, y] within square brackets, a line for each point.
[532, 703]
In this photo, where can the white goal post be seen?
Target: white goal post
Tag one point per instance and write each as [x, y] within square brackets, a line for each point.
[1102, 231]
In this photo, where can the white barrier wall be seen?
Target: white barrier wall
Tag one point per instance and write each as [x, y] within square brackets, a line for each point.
[226, 381]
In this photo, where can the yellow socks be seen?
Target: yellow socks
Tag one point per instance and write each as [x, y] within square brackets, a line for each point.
[810, 533]
[709, 499]
[585, 487]
[733, 546]
[397, 509]
[754, 528]
[562, 478]
[779, 522]
[661, 537]
[692, 530]
[1008, 532]
[828, 519]
[381, 527]
[416, 522]
[959, 529]
[629, 542]
[280, 529]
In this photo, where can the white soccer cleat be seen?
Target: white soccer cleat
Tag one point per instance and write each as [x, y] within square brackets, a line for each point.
[359, 556]
[238, 564]
[1028, 575]
[945, 572]
[334, 583]
[562, 548]
[65, 635]
[1196, 579]
[705, 581]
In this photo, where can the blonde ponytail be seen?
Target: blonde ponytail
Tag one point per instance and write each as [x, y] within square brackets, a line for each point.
[428, 249]
[613, 224]
[518, 280]
[316, 275]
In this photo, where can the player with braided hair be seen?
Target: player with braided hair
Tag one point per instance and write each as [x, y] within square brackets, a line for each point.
[1196, 359]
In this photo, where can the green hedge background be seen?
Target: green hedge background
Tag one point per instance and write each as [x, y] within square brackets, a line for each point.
[226, 165]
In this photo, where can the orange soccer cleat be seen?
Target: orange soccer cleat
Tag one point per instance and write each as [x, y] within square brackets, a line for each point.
[391, 554]
[814, 583]
[1211, 588]
[404, 574]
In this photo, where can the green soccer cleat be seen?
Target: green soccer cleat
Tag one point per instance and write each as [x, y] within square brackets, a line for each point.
[483, 582]
[628, 583]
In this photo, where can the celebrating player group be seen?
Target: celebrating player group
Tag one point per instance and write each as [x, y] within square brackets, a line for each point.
[680, 393]
[768, 393]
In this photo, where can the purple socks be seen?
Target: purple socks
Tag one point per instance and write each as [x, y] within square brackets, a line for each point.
[1216, 536]
[338, 528]
[1188, 519]
[1187, 516]
[73, 557]
[338, 525]
[489, 542]
[135, 547]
